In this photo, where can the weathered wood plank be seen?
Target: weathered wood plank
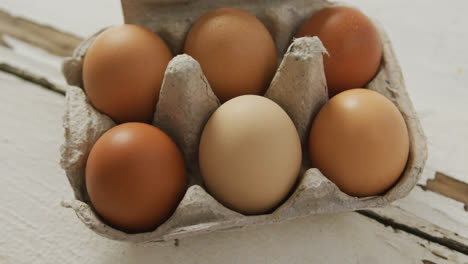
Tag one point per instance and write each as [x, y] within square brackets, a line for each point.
[81, 18]
[442, 211]
[400, 219]
[450, 187]
[45, 37]
[32, 64]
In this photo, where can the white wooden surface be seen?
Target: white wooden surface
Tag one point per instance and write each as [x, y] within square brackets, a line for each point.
[430, 39]
[82, 17]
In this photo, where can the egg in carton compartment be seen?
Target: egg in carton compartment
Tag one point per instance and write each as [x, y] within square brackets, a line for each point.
[186, 102]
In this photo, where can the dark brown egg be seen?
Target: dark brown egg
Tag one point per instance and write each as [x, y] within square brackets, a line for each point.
[123, 71]
[352, 42]
[135, 177]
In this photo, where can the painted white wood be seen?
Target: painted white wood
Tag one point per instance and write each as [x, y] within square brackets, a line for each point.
[33, 61]
[437, 209]
[35, 229]
[83, 17]
[408, 222]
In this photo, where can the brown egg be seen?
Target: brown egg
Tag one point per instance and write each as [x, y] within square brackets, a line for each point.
[250, 154]
[135, 177]
[353, 45]
[235, 50]
[359, 141]
[123, 71]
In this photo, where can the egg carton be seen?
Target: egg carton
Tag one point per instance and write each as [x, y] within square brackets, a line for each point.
[186, 102]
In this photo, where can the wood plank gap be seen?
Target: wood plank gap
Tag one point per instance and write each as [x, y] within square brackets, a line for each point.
[447, 242]
[28, 76]
[45, 37]
[449, 187]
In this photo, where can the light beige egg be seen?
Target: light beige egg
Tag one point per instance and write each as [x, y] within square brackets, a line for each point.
[250, 154]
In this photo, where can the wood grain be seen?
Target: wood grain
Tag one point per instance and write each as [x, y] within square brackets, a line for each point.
[450, 187]
[33, 64]
[441, 211]
[410, 223]
[31, 77]
[45, 37]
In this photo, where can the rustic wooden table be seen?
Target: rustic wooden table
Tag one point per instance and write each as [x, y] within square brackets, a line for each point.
[428, 226]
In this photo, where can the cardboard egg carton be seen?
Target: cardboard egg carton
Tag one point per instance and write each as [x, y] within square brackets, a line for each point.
[186, 102]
